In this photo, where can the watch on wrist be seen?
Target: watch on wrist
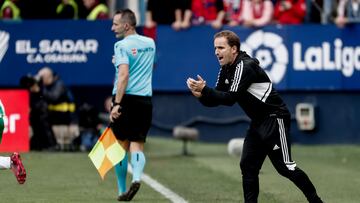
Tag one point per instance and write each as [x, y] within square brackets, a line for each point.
[116, 103]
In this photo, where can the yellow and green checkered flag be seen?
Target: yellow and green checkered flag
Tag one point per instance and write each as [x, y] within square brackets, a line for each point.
[106, 153]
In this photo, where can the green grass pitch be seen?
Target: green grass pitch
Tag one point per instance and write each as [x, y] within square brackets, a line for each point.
[209, 175]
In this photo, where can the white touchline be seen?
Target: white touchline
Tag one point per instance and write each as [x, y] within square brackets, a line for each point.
[166, 192]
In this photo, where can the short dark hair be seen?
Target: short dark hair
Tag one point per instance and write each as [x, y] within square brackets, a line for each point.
[127, 16]
[232, 38]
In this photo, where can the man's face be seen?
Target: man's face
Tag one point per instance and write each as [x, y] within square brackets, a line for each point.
[46, 76]
[118, 27]
[225, 54]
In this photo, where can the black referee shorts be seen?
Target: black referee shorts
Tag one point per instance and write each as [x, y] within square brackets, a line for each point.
[135, 119]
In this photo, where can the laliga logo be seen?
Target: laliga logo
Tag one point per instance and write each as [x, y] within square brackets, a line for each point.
[4, 43]
[267, 47]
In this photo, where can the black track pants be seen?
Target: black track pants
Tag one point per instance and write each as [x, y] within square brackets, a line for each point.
[271, 138]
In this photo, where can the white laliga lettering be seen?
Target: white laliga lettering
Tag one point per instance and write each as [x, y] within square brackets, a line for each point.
[298, 63]
[328, 64]
[357, 58]
[338, 45]
[347, 61]
[313, 57]
[316, 58]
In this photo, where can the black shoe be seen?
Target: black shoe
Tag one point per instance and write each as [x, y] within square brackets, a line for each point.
[122, 197]
[134, 187]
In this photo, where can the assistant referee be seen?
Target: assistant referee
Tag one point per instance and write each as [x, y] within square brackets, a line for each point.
[131, 112]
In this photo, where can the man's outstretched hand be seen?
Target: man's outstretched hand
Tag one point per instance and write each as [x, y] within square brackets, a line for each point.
[196, 86]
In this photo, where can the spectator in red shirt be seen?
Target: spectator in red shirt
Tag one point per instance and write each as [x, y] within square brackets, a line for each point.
[257, 13]
[234, 12]
[208, 12]
[290, 11]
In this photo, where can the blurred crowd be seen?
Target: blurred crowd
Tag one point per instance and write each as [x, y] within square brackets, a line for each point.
[182, 14]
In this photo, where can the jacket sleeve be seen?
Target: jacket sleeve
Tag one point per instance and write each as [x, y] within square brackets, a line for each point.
[220, 82]
[212, 97]
[216, 96]
[243, 78]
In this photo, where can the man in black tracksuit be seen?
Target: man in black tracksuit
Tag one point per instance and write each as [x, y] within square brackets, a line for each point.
[241, 80]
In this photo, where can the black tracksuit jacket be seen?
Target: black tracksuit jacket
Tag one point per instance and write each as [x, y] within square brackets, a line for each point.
[247, 84]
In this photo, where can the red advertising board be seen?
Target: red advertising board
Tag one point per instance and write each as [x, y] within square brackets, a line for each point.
[16, 133]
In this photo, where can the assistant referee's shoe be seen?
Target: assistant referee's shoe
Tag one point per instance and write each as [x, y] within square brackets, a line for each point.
[129, 195]
[122, 197]
[134, 187]
[18, 168]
